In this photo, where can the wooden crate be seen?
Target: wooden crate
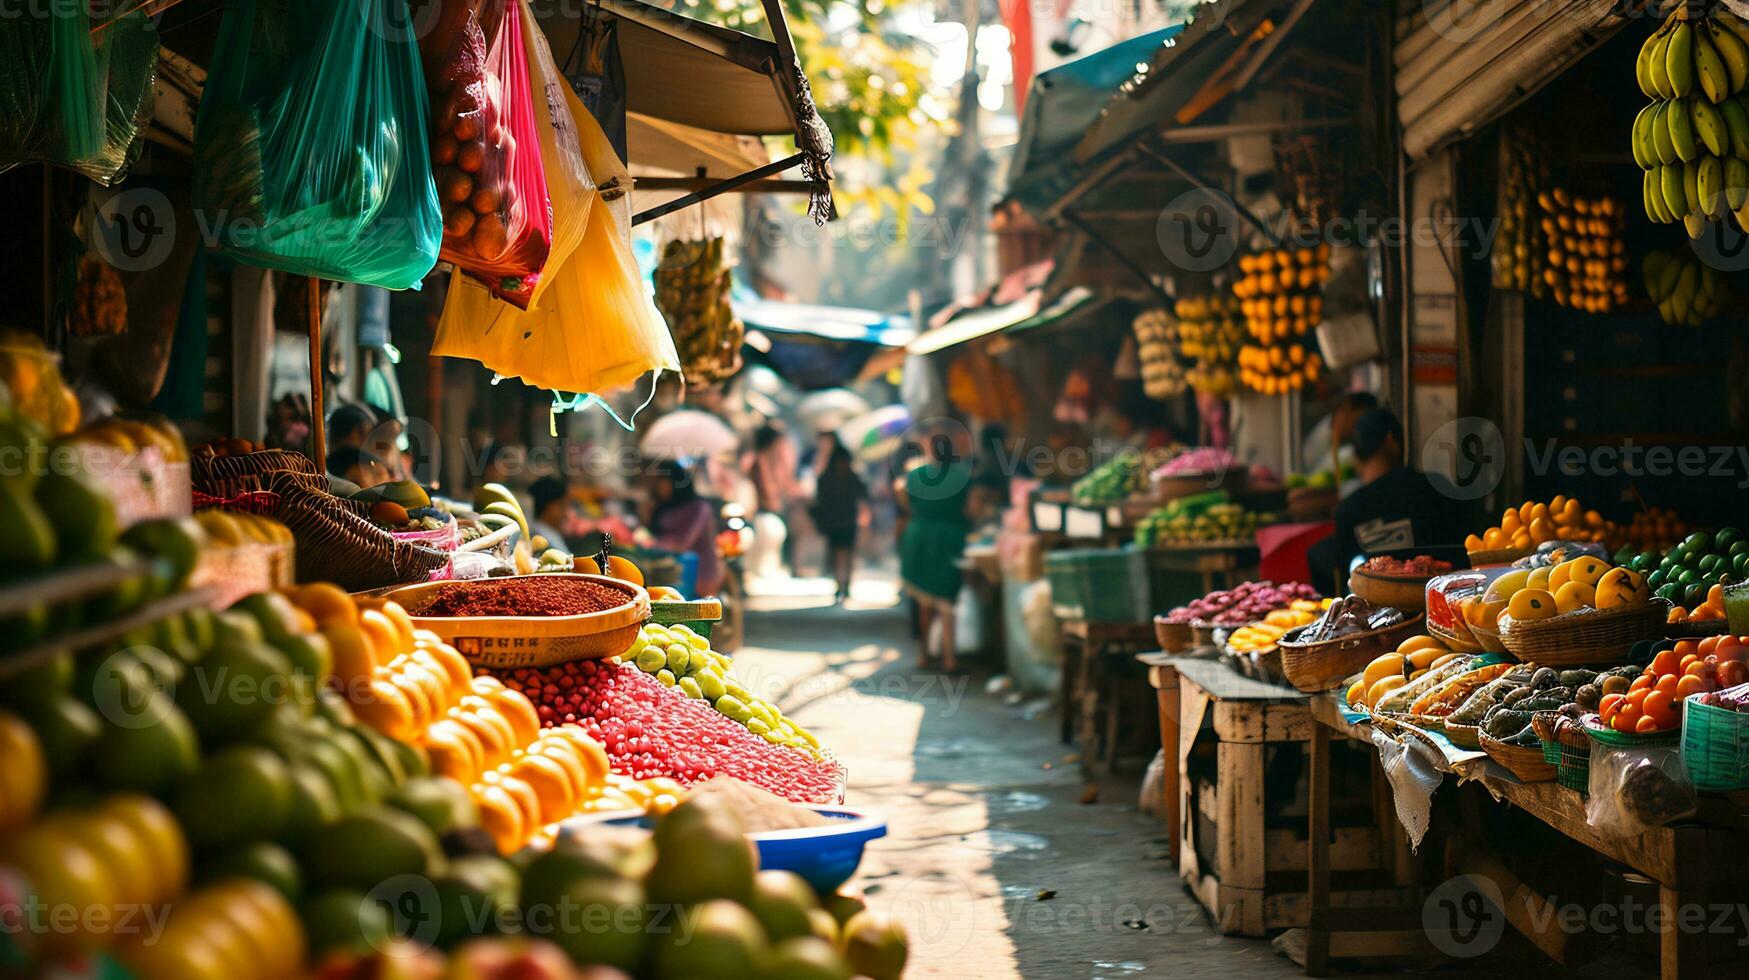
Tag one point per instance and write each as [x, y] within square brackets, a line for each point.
[1242, 784]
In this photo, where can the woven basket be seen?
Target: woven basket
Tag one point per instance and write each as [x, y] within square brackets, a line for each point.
[534, 641]
[1463, 736]
[1525, 763]
[1573, 768]
[1596, 637]
[1405, 592]
[1314, 667]
[1173, 637]
[1231, 479]
[1495, 556]
[1715, 747]
[1698, 628]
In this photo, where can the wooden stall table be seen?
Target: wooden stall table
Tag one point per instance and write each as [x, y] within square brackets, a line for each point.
[1694, 865]
[1221, 565]
[1247, 876]
[1089, 702]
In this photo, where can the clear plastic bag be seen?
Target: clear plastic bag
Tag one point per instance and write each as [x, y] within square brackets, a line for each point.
[72, 97]
[309, 145]
[485, 145]
[1633, 790]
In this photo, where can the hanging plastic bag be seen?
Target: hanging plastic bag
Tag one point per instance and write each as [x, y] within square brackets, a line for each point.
[598, 75]
[593, 328]
[570, 188]
[1634, 789]
[497, 220]
[76, 98]
[309, 145]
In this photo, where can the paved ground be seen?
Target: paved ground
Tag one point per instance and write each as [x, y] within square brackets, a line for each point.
[994, 861]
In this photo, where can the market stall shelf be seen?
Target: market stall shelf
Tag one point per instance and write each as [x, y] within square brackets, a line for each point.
[1227, 740]
[1093, 705]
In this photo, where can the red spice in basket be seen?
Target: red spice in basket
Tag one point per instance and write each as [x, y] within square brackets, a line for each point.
[531, 595]
[651, 730]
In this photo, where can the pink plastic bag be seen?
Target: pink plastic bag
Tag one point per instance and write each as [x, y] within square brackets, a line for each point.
[497, 219]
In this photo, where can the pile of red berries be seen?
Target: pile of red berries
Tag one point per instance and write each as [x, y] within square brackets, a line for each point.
[652, 730]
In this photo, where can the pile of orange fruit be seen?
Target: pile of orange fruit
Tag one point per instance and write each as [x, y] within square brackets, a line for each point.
[1652, 529]
[410, 685]
[1711, 610]
[1280, 295]
[1653, 702]
[1524, 527]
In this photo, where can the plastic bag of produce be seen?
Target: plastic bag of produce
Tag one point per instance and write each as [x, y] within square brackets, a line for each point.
[485, 145]
[1634, 789]
[591, 326]
[308, 152]
[72, 97]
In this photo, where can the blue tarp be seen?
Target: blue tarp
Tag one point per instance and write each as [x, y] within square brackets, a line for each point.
[835, 323]
[1064, 101]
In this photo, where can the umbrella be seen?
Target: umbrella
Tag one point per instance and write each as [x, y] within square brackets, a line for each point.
[824, 411]
[688, 433]
[876, 434]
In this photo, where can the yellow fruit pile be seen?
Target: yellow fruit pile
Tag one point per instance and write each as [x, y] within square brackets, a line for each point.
[1263, 635]
[32, 376]
[1156, 347]
[1552, 590]
[1280, 295]
[1210, 334]
[1518, 253]
[235, 528]
[1524, 527]
[1415, 656]
[1587, 257]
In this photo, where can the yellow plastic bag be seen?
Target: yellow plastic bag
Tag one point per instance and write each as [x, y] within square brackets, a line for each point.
[591, 326]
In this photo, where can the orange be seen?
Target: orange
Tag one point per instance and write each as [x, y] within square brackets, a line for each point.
[422, 665]
[456, 666]
[1660, 709]
[492, 731]
[551, 784]
[398, 615]
[500, 816]
[617, 567]
[1641, 682]
[355, 660]
[1690, 684]
[1646, 726]
[384, 708]
[418, 698]
[1607, 708]
[527, 801]
[589, 751]
[566, 756]
[1666, 683]
[455, 750]
[1626, 718]
[519, 712]
[1666, 661]
[385, 638]
[1710, 643]
[327, 602]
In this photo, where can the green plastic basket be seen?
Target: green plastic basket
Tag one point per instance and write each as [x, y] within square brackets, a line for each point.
[1572, 766]
[1551, 752]
[1116, 585]
[1715, 747]
[1605, 735]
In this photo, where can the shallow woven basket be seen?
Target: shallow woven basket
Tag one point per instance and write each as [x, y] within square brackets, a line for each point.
[1525, 763]
[1173, 637]
[1314, 667]
[1496, 556]
[1405, 592]
[1463, 736]
[533, 641]
[1698, 628]
[1593, 638]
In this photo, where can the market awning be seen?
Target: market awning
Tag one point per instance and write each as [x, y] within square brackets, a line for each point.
[1075, 303]
[711, 78]
[1064, 101]
[1456, 74]
[977, 323]
[834, 323]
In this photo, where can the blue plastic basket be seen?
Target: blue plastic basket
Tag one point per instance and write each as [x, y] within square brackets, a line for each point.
[825, 856]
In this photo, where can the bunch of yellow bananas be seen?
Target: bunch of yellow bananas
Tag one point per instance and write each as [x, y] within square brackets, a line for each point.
[1693, 140]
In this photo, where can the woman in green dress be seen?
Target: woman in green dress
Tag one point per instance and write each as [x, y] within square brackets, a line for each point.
[933, 541]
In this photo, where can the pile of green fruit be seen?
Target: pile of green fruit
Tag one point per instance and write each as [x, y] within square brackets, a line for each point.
[1204, 518]
[1113, 481]
[689, 901]
[682, 659]
[1693, 140]
[1683, 574]
[1687, 291]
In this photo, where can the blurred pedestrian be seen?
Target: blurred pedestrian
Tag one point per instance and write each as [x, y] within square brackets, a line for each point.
[933, 542]
[682, 521]
[839, 511]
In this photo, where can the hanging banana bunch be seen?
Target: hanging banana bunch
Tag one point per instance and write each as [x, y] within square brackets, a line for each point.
[1693, 140]
[1687, 291]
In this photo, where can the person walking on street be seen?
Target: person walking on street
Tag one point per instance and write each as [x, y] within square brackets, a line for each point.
[933, 542]
[840, 510]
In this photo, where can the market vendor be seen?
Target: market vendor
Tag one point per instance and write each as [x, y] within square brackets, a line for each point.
[552, 509]
[1395, 507]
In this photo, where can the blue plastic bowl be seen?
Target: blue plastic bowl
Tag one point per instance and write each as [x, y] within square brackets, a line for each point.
[825, 856]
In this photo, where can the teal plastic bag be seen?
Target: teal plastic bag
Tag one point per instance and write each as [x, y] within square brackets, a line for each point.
[76, 90]
[310, 147]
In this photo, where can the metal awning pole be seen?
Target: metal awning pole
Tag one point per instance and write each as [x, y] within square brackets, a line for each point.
[1244, 212]
[1135, 268]
[722, 187]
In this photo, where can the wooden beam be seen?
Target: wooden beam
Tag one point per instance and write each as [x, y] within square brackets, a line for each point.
[778, 186]
[1225, 131]
[720, 187]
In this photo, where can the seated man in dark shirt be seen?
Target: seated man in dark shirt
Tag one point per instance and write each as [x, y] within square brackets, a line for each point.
[1395, 507]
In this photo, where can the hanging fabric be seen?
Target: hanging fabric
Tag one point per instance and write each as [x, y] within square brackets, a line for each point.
[309, 144]
[598, 75]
